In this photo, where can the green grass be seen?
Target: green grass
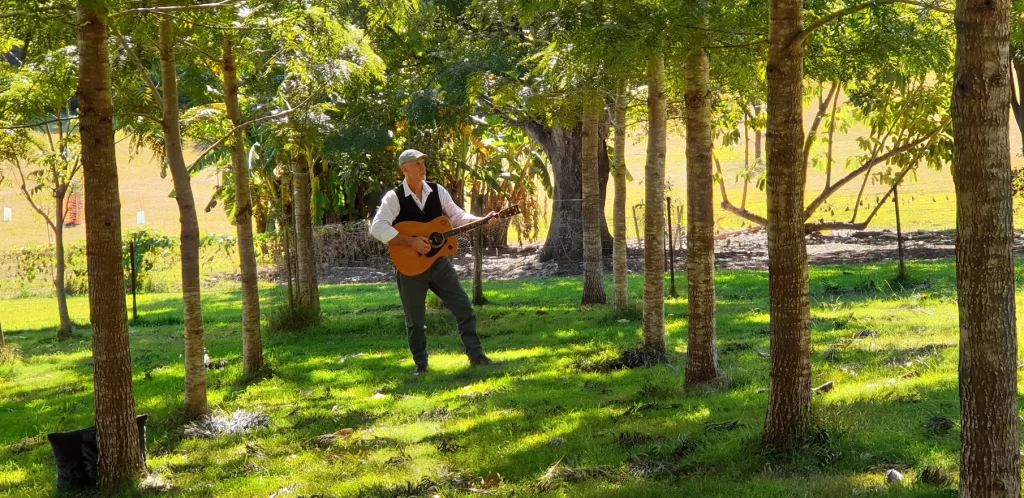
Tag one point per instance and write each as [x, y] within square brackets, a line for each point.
[622, 433]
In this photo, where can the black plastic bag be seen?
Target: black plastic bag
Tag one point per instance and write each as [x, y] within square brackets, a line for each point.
[77, 456]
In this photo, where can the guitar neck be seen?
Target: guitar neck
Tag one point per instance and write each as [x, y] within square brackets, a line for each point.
[465, 228]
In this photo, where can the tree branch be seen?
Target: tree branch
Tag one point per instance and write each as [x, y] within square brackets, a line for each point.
[817, 23]
[822, 109]
[142, 71]
[175, 8]
[32, 202]
[743, 213]
[192, 167]
[37, 125]
[826, 193]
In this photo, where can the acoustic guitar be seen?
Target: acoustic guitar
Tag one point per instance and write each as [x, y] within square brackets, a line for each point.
[442, 238]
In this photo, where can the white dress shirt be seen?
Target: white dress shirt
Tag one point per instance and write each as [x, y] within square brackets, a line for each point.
[390, 205]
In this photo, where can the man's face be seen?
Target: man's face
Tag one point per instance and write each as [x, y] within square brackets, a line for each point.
[415, 170]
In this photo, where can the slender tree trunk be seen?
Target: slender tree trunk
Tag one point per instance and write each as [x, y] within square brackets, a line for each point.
[701, 349]
[195, 368]
[789, 399]
[619, 209]
[990, 439]
[252, 342]
[117, 433]
[59, 282]
[654, 210]
[593, 212]
[288, 231]
[831, 136]
[1016, 96]
[308, 294]
[478, 252]
[3, 343]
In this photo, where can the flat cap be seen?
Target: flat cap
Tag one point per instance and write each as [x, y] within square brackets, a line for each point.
[409, 155]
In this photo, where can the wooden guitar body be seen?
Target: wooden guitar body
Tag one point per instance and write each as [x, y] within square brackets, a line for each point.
[411, 263]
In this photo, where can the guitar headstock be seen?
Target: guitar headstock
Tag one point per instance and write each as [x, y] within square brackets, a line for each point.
[509, 211]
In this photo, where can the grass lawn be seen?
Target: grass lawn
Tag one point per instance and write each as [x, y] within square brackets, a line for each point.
[542, 420]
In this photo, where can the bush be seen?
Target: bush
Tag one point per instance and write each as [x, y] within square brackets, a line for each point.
[9, 354]
[287, 319]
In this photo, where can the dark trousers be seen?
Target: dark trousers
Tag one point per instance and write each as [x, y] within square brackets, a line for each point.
[444, 282]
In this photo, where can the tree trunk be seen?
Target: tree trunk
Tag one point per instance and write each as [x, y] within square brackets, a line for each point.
[478, 252]
[990, 441]
[701, 349]
[66, 329]
[564, 148]
[619, 209]
[1018, 94]
[195, 369]
[307, 295]
[117, 434]
[593, 212]
[3, 343]
[252, 342]
[654, 211]
[789, 399]
[288, 231]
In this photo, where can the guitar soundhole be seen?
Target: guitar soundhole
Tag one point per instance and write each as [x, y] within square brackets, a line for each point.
[436, 239]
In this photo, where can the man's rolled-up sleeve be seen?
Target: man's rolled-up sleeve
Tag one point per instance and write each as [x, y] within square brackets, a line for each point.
[381, 227]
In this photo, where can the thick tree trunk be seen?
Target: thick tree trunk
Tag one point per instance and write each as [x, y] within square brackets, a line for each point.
[195, 369]
[654, 212]
[117, 434]
[789, 399]
[564, 148]
[593, 212]
[990, 439]
[307, 293]
[66, 329]
[252, 342]
[701, 348]
[619, 209]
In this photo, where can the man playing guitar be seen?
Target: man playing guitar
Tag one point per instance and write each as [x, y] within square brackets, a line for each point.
[421, 201]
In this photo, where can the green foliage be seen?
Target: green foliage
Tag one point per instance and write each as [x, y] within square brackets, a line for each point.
[284, 318]
[149, 245]
[31, 264]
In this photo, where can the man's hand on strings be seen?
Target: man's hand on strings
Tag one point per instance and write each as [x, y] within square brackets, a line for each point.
[421, 245]
[494, 219]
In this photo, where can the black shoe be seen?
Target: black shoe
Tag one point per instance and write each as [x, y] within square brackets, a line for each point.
[421, 369]
[480, 361]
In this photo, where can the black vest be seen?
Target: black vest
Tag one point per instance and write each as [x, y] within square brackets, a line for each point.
[411, 212]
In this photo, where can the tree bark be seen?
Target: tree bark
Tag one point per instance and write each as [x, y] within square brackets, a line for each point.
[59, 285]
[307, 293]
[593, 211]
[621, 297]
[252, 341]
[564, 148]
[288, 229]
[195, 369]
[654, 212]
[789, 400]
[478, 252]
[117, 433]
[990, 441]
[701, 348]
